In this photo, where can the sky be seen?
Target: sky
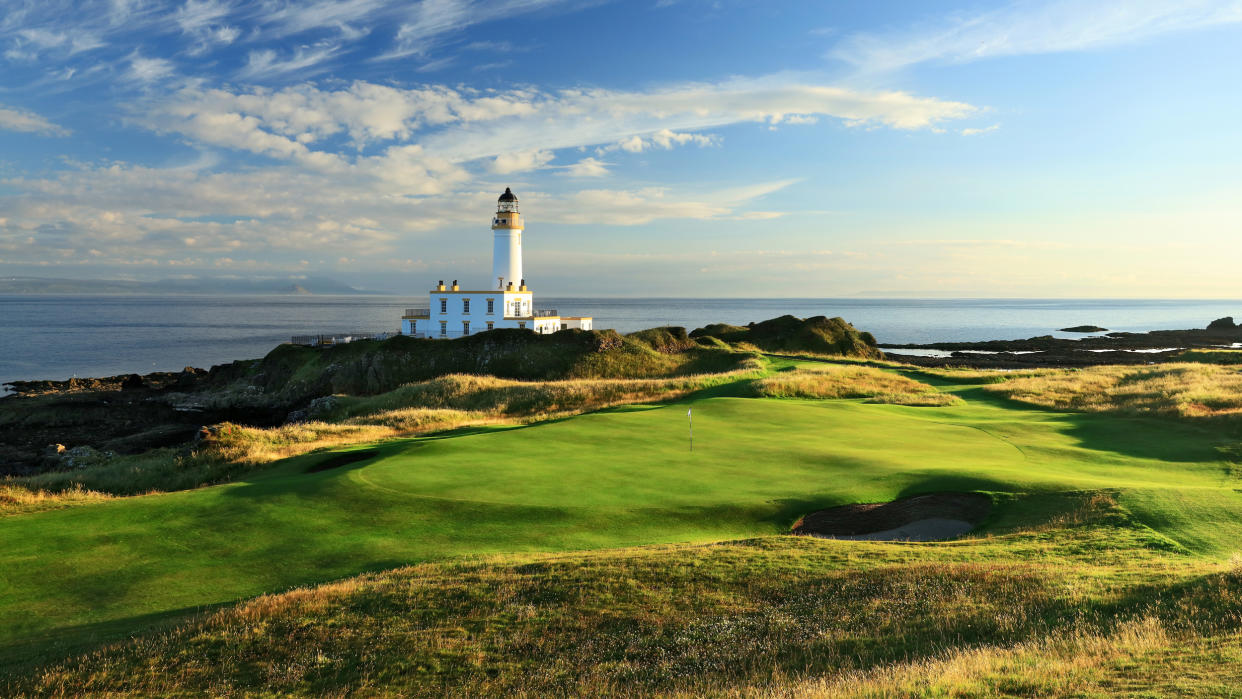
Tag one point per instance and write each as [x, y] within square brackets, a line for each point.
[658, 147]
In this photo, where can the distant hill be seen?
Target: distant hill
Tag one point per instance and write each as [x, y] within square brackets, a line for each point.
[204, 285]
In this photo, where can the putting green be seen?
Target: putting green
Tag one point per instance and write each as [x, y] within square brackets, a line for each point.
[614, 478]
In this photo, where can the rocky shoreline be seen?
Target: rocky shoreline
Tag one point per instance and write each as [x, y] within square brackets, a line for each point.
[1048, 351]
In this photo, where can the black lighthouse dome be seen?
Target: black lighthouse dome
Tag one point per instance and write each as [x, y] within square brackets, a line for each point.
[508, 196]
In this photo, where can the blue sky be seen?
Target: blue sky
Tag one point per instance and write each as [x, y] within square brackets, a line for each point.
[659, 147]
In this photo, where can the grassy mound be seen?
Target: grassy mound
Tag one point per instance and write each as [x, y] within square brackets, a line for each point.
[817, 335]
[1182, 389]
[846, 381]
[1095, 596]
[368, 368]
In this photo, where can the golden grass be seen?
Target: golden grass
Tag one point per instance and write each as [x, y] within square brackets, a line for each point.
[19, 500]
[1067, 664]
[982, 376]
[1190, 390]
[932, 399]
[846, 381]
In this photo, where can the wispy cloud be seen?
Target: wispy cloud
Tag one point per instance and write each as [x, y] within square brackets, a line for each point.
[304, 61]
[433, 21]
[28, 122]
[587, 167]
[1033, 28]
[149, 70]
[458, 125]
[977, 131]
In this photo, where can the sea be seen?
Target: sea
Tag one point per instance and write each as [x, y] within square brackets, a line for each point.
[57, 337]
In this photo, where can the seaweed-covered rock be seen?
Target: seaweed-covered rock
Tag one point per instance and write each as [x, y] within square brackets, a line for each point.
[1225, 323]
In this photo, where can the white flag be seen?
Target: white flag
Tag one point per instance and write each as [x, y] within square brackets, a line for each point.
[688, 411]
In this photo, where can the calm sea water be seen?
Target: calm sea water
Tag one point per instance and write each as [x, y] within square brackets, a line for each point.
[55, 337]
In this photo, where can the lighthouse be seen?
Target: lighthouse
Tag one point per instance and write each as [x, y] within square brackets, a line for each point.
[507, 243]
[506, 302]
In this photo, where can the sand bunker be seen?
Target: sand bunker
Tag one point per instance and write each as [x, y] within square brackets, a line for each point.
[932, 517]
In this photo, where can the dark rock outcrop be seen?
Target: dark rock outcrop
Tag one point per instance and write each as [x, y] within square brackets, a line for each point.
[819, 334]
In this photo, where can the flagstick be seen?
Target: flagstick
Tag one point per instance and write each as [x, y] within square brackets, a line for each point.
[690, 420]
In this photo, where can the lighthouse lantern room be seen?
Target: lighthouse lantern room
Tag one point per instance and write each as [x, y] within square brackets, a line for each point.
[507, 302]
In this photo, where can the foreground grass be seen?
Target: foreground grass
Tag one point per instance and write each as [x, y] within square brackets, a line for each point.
[1037, 611]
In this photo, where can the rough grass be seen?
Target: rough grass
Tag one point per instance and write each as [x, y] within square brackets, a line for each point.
[1192, 390]
[845, 381]
[19, 500]
[982, 376]
[1032, 613]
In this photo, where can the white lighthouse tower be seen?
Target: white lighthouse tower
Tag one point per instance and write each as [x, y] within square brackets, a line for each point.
[507, 243]
[455, 312]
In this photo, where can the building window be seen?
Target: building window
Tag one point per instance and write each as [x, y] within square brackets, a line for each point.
[443, 328]
[465, 305]
[465, 327]
[490, 324]
[491, 306]
[444, 305]
[521, 325]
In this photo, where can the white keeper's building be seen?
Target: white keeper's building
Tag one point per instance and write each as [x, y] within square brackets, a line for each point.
[453, 312]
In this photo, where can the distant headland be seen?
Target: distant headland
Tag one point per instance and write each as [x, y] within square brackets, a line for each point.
[196, 285]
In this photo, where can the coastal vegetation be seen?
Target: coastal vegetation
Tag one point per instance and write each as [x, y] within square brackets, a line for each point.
[484, 534]
[850, 381]
[1181, 389]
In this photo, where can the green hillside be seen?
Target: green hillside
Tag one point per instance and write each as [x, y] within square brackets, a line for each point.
[615, 478]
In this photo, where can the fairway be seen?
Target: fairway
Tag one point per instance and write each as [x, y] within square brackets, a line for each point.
[614, 478]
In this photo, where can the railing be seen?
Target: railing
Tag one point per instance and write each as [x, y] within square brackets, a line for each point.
[418, 312]
[338, 339]
[545, 313]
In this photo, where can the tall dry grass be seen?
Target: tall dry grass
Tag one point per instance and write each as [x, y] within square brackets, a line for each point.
[1078, 662]
[18, 499]
[1191, 390]
[844, 381]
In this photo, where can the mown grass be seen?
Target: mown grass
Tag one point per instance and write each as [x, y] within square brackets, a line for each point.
[1180, 389]
[1036, 613]
[850, 381]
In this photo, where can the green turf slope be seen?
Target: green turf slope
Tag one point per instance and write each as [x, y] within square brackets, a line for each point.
[615, 478]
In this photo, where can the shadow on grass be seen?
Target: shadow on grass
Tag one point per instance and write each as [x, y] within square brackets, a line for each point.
[1156, 437]
[26, 655]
